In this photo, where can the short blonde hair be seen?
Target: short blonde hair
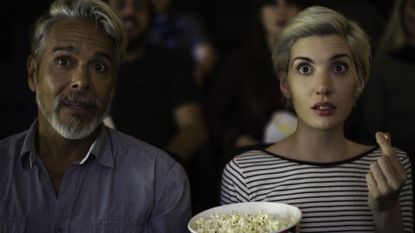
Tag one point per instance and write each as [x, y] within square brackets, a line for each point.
[95, 11]
[321, 21]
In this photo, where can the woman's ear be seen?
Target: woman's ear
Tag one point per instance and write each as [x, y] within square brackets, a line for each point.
[284, 87]
[32, 78]
[359, 87]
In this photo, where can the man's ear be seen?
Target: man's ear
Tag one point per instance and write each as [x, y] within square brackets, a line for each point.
[284, 87]
[32, 72]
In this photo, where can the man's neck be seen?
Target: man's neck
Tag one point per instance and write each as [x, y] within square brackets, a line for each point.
[58, 153]
[52, 145]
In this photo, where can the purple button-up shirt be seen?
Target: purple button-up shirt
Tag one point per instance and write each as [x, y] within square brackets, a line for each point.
[125, 185]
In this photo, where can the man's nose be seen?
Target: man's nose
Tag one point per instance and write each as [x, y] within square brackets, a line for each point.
[81, 79]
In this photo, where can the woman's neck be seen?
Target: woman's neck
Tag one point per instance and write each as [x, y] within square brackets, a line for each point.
[319, 146]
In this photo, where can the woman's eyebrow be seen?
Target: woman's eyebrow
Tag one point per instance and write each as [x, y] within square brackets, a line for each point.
[302, 59]
[337, 56]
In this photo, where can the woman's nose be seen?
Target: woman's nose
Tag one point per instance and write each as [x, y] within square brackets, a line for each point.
[323, 91]
[324, 86]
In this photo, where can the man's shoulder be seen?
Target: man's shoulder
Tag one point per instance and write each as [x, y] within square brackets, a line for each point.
[137, 156]
[12, 142]
[130, 146]
[10, 150]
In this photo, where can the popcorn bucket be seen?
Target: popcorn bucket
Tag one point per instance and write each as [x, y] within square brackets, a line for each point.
[288, 214]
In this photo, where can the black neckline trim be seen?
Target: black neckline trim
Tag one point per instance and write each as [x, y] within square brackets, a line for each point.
[329, 164]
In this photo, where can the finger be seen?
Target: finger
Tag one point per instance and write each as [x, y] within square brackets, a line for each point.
[391, 175]
[398, 167]
[372, 185]
[380, 178]
[374, 193]
[384, 141]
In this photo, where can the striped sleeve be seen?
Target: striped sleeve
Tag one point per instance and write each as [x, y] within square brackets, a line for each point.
[233, 185]
[406, 195]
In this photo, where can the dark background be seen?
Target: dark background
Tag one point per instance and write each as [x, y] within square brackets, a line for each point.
[227, 22]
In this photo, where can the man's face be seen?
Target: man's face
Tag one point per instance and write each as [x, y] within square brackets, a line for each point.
[73, 78]
[275, 16]
[135, 15]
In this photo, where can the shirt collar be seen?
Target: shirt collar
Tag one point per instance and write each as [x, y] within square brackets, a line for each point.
[27, 152]
[101, 149]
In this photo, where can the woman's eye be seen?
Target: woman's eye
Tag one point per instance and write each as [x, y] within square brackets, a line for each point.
[339, 68]
[304, 69]
[99, 67]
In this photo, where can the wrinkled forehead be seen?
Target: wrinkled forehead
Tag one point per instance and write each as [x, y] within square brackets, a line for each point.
[79, 34]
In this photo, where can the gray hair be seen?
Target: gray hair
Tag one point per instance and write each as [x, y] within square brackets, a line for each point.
[321, 21]
[95, 11]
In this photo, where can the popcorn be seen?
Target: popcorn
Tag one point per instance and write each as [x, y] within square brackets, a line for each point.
[239, 222]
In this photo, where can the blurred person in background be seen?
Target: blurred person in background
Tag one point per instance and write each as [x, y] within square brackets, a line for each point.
[364, 12]
[387, 103]
[173, 28]
[157, 101]
[245, 106]
[68, 172]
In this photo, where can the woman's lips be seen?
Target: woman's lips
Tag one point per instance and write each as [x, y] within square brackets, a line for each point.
[324, 109]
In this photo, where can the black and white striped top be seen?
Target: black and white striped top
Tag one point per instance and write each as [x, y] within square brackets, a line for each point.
[332, 196]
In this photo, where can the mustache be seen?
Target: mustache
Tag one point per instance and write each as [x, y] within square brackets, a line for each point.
[79, 98]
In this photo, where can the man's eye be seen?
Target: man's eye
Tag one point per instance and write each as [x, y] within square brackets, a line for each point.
[63, 62]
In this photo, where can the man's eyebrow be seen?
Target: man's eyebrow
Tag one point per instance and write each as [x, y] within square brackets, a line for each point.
[63, 48]
[105, 56]
[72, 48]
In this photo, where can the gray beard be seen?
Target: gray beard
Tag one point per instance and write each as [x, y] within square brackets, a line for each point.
[74, 130]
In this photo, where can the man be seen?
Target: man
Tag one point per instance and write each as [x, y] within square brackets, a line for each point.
[68, 172]
[156, 99]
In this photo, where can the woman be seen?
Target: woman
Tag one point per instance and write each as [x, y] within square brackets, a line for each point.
[340, 186]
[246, 95]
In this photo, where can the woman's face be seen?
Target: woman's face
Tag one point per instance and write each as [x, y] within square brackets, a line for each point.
[322, 81]
[275, 16]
